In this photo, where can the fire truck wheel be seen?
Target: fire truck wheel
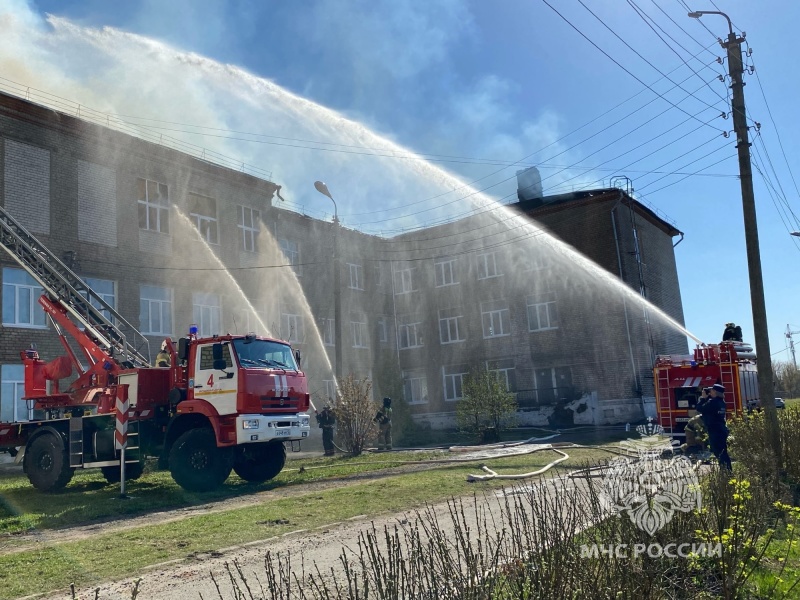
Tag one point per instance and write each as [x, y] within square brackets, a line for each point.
[258, 463]
[196, 464]
[132, 471]
[47, 464]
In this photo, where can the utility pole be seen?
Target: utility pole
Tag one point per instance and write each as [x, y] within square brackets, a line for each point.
[789, 334]
[766, 386]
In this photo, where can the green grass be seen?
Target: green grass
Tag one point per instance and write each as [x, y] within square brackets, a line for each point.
[48, 567]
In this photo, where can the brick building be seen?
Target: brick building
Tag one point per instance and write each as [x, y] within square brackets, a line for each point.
[170, 239]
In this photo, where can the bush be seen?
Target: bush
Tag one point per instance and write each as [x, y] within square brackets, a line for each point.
[354, 412]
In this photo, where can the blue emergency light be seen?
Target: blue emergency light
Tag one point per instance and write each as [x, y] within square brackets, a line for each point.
[192, 329]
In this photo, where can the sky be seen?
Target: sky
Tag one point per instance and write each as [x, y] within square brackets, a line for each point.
[411, 110]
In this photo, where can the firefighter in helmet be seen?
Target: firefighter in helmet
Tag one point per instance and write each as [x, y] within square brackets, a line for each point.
[732, 333]
[384, 421]
[696, 436]
[163, 358]
[326, 421]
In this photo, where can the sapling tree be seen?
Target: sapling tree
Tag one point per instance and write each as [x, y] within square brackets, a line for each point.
[355, 411]
[486, 406]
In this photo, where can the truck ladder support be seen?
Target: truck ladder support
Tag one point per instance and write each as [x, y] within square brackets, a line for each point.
[60, 283]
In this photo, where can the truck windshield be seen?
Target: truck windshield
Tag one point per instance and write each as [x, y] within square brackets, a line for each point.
[264, 353]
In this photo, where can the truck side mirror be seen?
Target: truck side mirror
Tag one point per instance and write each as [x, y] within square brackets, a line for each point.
[183, 349]
[297, 357]
[219, 360]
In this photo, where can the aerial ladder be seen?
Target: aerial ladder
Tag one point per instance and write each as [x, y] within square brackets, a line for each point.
[105, 334]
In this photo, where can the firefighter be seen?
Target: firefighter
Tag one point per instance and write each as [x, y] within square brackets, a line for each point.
[326, 421]
[163, 358]
[712, 406]
[695, 435]
[384, 421]
[732, 333]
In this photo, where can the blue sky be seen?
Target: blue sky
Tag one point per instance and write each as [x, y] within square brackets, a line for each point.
[464, 83]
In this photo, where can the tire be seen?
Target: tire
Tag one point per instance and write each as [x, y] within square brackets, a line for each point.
[258, 463]
[47, 464]
[132, 471]
[196, 464]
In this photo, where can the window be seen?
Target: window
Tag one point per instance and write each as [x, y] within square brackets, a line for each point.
[356, 276]
[409, 330]
[155, 310]
[383, 330]
[535, 261]
[487, 265]
[359, 330]
[203, 213]
[249, 223]
[206, 310]
[247, 320]
[451, 325]
[445, 271]
[404, 281]
[153, 199]
[415, 387]
[292, 328]
[503, 369]
[328, 332]
[330, 390]
[454, 381]
[12, 388]
[21, 295]
[291, 252]
[542, 312]
[377, 273]
[106, 289]
[207, 356]
[496, 318]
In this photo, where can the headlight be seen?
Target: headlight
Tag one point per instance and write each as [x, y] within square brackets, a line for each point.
[250, 424]
[304, 422]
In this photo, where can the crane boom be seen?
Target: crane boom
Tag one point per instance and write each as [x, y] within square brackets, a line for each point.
[63, 287]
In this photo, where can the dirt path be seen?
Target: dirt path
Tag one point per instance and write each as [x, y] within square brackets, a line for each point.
[317, 550]
[11, 544]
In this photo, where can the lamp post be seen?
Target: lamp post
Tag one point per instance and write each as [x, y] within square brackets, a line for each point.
[795, 233]
[337, 288]
[766, 388]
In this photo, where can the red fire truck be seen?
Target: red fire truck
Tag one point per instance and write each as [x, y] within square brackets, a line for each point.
[224, 403]
[679, 379]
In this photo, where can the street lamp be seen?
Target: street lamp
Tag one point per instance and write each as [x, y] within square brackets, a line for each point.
[766, 388]
[795, 233]
[337, 288]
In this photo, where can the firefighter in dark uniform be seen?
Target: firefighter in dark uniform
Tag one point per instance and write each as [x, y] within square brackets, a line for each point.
[326, 420]
[384, 421]
[712, 406]
[732, 333]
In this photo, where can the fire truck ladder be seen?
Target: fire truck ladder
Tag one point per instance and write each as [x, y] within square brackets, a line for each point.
[665, 398]
[60, 283]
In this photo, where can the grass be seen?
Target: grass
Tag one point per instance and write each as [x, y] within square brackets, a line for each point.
[52, 566]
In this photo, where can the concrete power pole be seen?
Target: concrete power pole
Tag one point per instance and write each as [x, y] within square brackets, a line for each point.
[766, 386]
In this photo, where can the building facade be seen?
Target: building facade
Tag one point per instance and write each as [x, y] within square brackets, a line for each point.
[530, 291]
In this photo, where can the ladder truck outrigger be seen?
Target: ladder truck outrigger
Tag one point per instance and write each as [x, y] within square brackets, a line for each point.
[227, 402]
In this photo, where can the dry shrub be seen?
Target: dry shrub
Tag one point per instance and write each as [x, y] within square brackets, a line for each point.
[355, 410]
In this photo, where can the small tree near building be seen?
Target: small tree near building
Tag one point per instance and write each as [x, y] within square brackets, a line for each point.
[486, 406]
[354, 411]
